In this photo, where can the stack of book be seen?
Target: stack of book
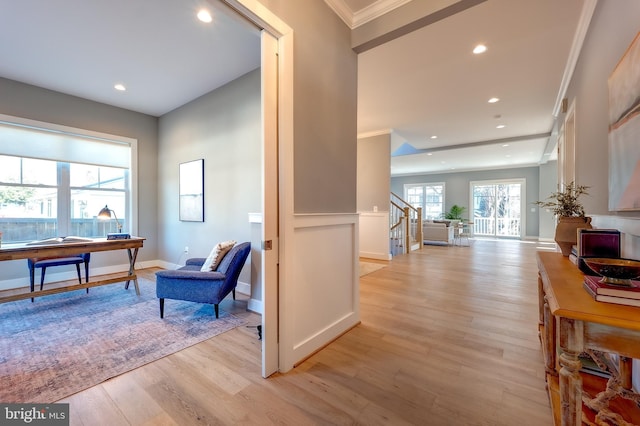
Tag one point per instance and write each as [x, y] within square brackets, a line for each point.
[621, 295]
[118, 236]
[595, 243]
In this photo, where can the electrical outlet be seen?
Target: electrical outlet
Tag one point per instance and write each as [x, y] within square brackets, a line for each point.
[186, 249]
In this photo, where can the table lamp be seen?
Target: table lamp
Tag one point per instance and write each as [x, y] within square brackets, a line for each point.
[105, 214]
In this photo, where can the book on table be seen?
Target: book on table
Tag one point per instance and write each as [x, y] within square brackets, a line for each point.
[60, 240]
[632, 291]
[118, 236]
[613, 294]
[596, 242]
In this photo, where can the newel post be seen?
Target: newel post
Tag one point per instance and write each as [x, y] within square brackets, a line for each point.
[407, 230]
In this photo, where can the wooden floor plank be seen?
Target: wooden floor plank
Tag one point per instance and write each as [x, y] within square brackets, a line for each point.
[448, 337]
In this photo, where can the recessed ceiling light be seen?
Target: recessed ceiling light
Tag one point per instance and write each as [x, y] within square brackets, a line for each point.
[500, 126]
[429, 153]
[481, 48]
[120, 87]
[493, 100]
[204, 16]
[505, 145]
[434, 137]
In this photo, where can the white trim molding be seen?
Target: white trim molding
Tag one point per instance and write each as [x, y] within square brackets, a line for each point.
[323, 301]
[366, 14]
[374, 235]
[578, 39]
[374, 133]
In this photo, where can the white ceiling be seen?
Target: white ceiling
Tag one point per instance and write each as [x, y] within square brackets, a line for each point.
[429, 83]
[163, 54]
[422, 84]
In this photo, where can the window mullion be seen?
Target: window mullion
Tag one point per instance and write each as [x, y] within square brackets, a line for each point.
[64, 200]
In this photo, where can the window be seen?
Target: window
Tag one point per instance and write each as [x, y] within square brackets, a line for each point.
[429, 196]
[497, 208]
[60, 192]
[93, 187]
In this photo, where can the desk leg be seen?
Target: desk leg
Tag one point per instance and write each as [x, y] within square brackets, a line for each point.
[549, 340]
[132, 269]
[571, 343]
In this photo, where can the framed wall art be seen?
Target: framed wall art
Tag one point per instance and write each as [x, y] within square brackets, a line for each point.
[624, 131]
[192, 191]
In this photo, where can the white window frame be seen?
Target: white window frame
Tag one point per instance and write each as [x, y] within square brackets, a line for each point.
[131, 214]
[407, 186]
[523, 195]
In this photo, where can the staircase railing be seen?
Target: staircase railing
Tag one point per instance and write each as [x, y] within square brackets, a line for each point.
[405, 222]
[397, 230]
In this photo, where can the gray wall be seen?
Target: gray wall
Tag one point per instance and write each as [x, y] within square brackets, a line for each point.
[374, 173]
[457, 188]
[548, 185]
[224, 128]
[613, 27]
[35, 103]
[325, 99]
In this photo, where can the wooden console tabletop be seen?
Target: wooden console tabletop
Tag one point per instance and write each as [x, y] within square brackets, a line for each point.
[573, 320]
[25, 251]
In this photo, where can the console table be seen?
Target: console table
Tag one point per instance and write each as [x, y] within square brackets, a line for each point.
[571, 320]
[25, 251]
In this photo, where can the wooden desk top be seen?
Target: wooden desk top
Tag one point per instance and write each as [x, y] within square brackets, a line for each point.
[25, 251]
[567, 298]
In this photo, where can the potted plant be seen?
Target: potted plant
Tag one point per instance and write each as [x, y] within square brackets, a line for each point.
[455, 213]
[569, 211]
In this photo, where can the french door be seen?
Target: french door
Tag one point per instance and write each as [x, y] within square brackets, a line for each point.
[497, 208]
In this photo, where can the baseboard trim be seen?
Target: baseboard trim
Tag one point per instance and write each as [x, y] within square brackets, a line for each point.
[255, 306]
[243, 288]
[377, 256]
[23, 282]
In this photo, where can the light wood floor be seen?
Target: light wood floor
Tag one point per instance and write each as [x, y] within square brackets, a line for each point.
[448, 337]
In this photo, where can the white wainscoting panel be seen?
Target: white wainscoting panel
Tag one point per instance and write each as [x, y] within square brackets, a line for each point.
[322, 299]
[374, 235]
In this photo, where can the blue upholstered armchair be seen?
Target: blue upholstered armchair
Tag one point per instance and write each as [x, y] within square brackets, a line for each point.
[191, 284]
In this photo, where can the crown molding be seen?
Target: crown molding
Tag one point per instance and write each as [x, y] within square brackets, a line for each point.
[374, 133]
[368, 14]
[342, 10]
[578, 39]
[375, 10]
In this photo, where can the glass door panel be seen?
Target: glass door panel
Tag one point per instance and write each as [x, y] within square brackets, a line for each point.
[497, 209]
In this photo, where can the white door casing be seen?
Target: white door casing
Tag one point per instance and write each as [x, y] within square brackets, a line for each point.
[277, 202]
[269, 238]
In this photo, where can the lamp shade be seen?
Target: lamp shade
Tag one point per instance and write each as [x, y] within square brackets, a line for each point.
[105, 213]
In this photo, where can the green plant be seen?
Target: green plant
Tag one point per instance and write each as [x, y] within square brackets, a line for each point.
[565, 203]
[455, 212]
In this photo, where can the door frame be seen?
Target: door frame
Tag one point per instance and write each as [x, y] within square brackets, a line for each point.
[567, 148]
[523, 195]
[277, 120]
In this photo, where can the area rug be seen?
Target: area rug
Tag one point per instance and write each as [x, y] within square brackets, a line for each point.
[68, 342]
[369, 267]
